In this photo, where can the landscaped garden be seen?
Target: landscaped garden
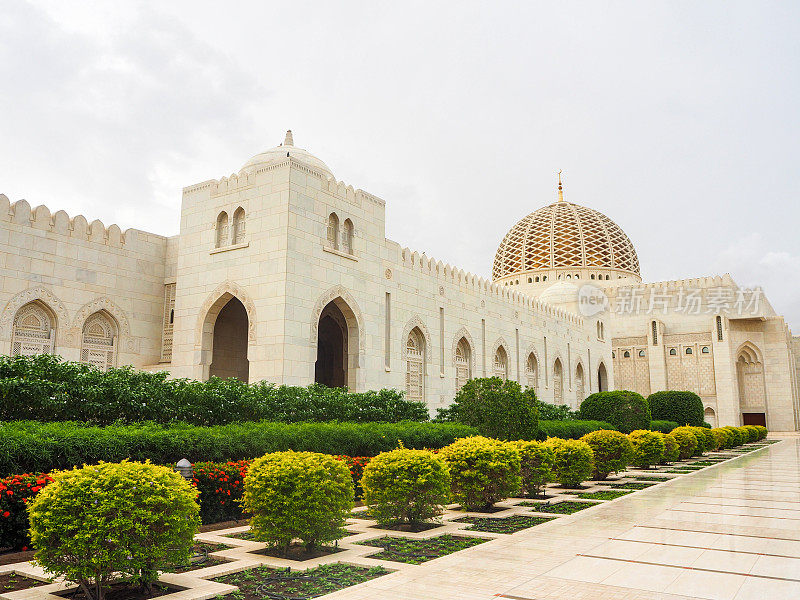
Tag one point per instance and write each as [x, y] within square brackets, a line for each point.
[102, 506]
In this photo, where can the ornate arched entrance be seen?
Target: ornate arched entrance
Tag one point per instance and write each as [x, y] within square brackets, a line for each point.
[602, 378]
[752, 391]
[332, 345]
[229, 346]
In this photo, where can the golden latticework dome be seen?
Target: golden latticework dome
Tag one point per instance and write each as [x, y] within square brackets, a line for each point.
[565, 239]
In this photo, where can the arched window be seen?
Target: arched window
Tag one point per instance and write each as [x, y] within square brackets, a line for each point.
[673, 352]
[500, 363]
[415, 365]
[558, 382]
[239, 226]
[347, 236]
[34, 330]
[333, 231]
[537, 279]
[688, 351]
[544, 277]
[719, 328]
[626, 354]
[655, 333]
[641, 353]
[532, 371]
[705, 350]
[709, 416]
[530, 279]
[591, 276]
[222, 229]
[463, 360]
[580, 388]
[99, 341]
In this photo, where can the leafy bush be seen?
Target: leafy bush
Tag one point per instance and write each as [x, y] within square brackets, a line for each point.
[762, 431]
[497, 408]
[15, 493]
[687, 441]
[297, 495]
[625, 410]
[663, 426]
[132, 518]
[482, 471]
[220, 486]
[555, 412]
[612, 452]
[573, 461]
[536, 465]
[738, 436]
[705, 440]
[45, 388]
[43, 447]
[724, 438]
[685, 408]
[753, 433]
[572, 430]
[406, 487]
[648, 447]
[671, 449]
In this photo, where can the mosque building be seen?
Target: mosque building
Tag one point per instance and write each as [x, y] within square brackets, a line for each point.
[282, 273]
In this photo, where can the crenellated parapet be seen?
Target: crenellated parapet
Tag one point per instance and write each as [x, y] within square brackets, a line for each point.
[77, 227]
[455, 276]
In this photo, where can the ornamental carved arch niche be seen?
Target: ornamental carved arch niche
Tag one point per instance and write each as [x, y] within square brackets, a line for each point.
[216, 301]
[416, 321]
[44, 296]
[342, 296]
[462, 333]
[107, 305]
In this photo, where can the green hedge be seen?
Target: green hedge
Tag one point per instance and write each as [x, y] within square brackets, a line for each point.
[45, 388]
[626, 410]
[685, 408]
[41, 447]
[663, 426]
[571, 430]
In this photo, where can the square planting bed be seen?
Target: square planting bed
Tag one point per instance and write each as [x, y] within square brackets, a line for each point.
[123, 590]
[632, 485]
[605, 495]
[655, 478]
[261, 583]
[559, 508]
[11, 582]
[503, 525]
[200, 557]
[417, 551]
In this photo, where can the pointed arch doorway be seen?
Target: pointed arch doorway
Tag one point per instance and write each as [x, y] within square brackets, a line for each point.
[337, 346]
[229, 346]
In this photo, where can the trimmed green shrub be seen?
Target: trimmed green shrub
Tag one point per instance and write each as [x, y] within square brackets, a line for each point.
[684, 408]
[648, 447]
[406, 487]
[482, 471]
[297, 495]
[497, 408]
[97, 521]
[573, 461]
[738, 436]
[705, 440]
[46, 388]
[762, 431]
[536, 465]
[555, 412]
[571, 430]
[43, 447]
[671, 449]
[752, 432]
[687, 441]
[663, 426]
[625, 410]
[612, 452]
[722, 438]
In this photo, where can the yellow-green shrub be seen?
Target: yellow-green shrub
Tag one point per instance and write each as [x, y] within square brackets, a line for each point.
[738, 436]
[687, 441]
[482, 471]
[648, 447]
[705, 440]
[762, 431]
[722, 437]
[297, 495]
[573, 461]
[752, 433]
[671, 449]
[406, 486]
[536, 465]
[99, 520]
[612, 452]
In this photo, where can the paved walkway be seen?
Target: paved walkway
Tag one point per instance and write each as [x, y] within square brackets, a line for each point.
[730, 532]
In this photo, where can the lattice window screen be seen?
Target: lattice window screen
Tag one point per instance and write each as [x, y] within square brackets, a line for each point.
[500, 368]
[462, 361]
[98, 342]
[532, 372]
[33, 333]
[415, 363]
[168, 322]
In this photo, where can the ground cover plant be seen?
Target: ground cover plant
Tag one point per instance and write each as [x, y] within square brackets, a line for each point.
[418, 551]
[657, 478]
[604, 495]
[91, 524]
[47, 388]
[200, 558]
[42, 447]
[11, 582]
[625, 410]
[508, 525]
[301, 496]
[632, 485]
[566, 507]
[683, 408]
[264, 582]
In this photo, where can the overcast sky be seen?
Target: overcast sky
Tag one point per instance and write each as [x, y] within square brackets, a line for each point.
[679, 120]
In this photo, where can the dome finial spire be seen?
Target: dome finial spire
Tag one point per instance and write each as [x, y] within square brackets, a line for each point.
[289, 141]
[560, 190]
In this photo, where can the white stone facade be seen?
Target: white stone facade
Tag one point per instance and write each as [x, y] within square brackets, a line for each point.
[282, 273]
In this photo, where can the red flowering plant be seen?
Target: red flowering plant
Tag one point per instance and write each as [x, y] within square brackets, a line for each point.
[15, 493]
[221, 486]
[356, 465]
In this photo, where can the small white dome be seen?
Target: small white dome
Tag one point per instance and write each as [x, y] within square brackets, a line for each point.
[281, 153]
[560, 294]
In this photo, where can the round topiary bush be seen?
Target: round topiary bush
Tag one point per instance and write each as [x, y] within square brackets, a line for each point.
[612, 452]
[685, 408]
[627, 411]
[737, 439]
[406, 487]
[297, 495]
[671, 449]
[482, 471]
[648, 447]
[687, 441]
[497, 408]
[663, 426]
[753, 433]
[94, 522]
[536, 465]
[722, 438]
[706, 442]
[762, 431]
[573, 461]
